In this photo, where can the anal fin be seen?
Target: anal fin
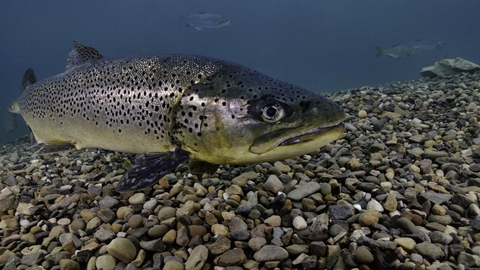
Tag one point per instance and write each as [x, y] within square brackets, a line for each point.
[149, 168]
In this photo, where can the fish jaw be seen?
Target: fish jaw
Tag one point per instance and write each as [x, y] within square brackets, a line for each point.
[302, 142]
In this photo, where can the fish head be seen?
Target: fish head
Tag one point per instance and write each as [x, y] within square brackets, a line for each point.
[241, 116]
[224, 22]
[14, 107]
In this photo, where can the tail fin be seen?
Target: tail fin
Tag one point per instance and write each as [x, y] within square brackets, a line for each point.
[379, 51]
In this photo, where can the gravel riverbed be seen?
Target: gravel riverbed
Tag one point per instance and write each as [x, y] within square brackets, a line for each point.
[400, 190]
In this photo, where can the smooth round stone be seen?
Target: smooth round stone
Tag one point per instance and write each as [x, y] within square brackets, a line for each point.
[150, 205]
[173, 265]
[439, 237]
[407, 243]
[363, 255]
[123, 210]
[158, 231]
[299, 223]
[297, 249]
[429, 250]
[439, 210]
[274, 221]
[67, 264]
[167, 212]
[362, 114]
[270, 253]
[64, 222]
[137, 198]
[135, 221]
[303, 191]
[170, 237]
[105, 262]
[122, 249]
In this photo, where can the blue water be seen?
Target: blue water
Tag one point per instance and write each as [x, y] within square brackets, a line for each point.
[324, 46]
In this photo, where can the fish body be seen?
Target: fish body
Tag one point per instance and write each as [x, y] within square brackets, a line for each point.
[173, 108]
[205, 20]
[421, 46]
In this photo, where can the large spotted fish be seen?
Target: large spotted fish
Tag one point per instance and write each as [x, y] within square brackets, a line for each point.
[174, 108]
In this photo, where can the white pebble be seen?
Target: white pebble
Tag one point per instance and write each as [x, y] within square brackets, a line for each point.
[299, 223]
[375, 205]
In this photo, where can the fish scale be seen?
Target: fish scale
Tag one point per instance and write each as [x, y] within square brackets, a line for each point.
[174, 108]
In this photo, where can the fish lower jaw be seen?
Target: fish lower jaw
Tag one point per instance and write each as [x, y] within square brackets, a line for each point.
[312, 134]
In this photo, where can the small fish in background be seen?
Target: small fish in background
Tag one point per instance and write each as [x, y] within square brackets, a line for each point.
[204, 20]
[398, 51]
[9, 122]
[411, 48]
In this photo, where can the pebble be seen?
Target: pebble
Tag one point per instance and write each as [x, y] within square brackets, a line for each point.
[270, 253]
[299, 223]
[122, 249]
[363, 255]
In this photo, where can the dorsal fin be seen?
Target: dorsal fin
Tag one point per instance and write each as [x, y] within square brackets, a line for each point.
[28, 78]
[81, 54]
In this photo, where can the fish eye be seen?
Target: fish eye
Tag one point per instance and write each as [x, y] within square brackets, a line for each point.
[272, 112]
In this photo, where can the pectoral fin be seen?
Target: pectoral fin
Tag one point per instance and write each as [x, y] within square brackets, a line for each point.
[149, 168]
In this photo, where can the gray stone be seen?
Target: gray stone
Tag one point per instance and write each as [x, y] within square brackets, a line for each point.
[270, 253]
[155, 245]
[429, 250]
[106, 215]
[33, 258]
[303, 191]
[468, 259]
[8, 199]
[407, 225]
[235, 256]
[65, 237]
[437, 198]
[104, 235]
[273, 184]
[441, 238]
[182, 237]
[107, 202]
[449, 67]
[341, 212]
[363, 255]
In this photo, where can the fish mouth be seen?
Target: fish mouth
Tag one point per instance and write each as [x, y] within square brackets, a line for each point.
[312, 138]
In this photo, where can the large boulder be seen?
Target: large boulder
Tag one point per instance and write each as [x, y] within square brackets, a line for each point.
[449, 67]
